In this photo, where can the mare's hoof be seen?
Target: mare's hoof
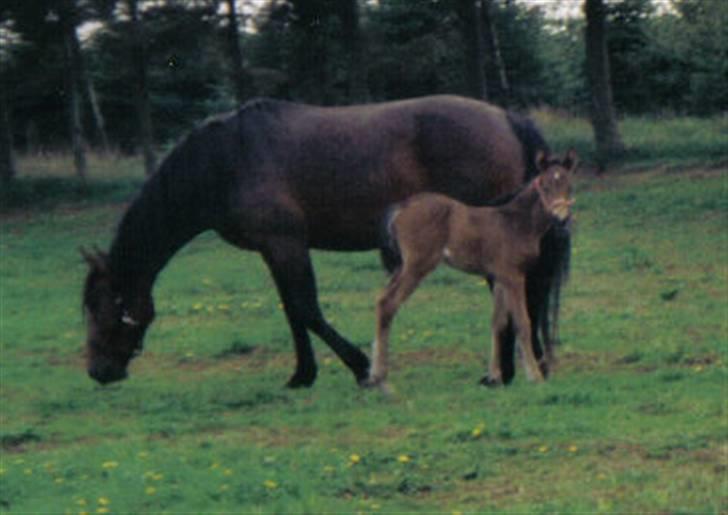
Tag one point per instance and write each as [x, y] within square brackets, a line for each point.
[302, 380]
[491, 383]
[360, 369]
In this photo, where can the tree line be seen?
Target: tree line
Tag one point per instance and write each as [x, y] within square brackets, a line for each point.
[133, 74]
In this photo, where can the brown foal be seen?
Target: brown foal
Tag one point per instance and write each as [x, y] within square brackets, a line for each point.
[500, 243]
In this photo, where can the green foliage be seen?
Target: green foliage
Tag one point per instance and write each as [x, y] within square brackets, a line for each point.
[633, 419]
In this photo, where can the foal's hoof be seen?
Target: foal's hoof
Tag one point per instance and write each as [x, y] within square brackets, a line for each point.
[370, 382]
[545, 368]
[302, 379]
[489, 382]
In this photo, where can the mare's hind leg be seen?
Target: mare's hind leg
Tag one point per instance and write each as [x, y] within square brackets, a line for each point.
[537, 301]
[400, 287]
[289, 261]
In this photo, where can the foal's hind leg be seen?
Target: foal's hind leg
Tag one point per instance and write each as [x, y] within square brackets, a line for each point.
[290, 264]
[400, 287]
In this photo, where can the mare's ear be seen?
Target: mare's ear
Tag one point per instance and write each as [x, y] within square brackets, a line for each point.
[97, 260]
[571, 160]
[542, 161]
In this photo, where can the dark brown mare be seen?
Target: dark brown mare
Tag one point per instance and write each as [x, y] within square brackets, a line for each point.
[281, 178]
[500, 243]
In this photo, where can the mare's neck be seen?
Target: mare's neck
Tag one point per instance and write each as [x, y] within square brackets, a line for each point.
[528, 211]
[151, 231]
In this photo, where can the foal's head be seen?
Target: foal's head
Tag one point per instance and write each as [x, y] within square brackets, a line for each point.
[554, 182]
[115, 325]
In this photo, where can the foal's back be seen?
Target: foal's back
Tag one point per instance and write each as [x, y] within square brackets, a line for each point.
[430, 227]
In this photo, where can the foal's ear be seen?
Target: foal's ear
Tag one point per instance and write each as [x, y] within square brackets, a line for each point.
[542, 161]
[97, 260]
[571, 160]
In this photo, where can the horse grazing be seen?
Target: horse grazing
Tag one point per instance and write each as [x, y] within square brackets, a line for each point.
[500, 243]
[281, 178]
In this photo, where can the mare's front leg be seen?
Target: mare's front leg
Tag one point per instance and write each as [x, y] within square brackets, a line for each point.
[290, 264]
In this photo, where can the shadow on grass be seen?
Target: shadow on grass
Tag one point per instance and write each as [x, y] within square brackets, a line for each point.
[44, 193]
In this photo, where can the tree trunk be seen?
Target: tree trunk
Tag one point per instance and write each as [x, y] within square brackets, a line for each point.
[348, 12]
[494, 57]
[69, 20]
[96, 110]
[85, 79]
[470, 18]
[140, 88]
[240, 79]
[7, 157]
[603, 119]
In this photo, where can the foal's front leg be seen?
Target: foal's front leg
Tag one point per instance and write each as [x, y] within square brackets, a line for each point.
[499, 327]
[515, 293]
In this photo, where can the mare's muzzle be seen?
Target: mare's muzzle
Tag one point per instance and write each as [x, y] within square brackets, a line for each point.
[105, 371]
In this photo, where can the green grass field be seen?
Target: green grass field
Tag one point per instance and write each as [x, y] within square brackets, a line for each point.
[633, 419]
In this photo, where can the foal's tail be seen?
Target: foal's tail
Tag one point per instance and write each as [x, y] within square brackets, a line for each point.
[389, 248]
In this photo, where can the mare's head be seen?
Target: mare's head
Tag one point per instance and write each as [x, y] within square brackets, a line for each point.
[554, 182]
[115, 324]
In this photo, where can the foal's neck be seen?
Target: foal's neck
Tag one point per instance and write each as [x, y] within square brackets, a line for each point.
[528, 211]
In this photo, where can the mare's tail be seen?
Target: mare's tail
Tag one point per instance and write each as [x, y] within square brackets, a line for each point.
[389, 249]
[546, 281]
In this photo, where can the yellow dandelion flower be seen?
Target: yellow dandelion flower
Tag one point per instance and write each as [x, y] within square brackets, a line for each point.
[477, 432]
[354, 459]
[214, 466]
[228, 472]
[150, 490]
[103, 509]
[573, 448]
[403, 458]
[104, 501]
[108, 465]
[197, 307]
[543, 448]
[270, 484]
